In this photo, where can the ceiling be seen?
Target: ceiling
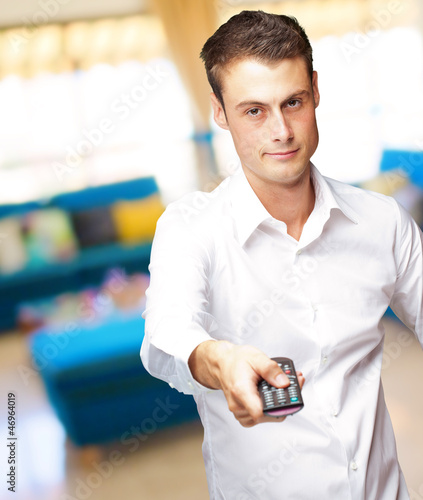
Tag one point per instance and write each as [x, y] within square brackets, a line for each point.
[27, 12]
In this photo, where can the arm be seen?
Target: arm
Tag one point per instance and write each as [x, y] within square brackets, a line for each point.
[407, 300]
[176, 317]
[179, 346]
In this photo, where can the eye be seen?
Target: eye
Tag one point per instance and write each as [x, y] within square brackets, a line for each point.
[254, 111]
[293, 103]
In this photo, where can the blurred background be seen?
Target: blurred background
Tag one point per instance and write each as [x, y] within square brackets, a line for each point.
[104, 120]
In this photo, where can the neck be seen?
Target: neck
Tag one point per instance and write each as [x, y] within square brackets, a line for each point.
[290, 203]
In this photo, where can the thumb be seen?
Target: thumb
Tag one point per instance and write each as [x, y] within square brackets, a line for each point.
[274, 375]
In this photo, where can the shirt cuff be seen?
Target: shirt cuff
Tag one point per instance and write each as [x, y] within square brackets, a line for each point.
[184, 381]
[181, 377]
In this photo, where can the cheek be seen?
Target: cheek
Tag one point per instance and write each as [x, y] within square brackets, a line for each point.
[307, 126]
[249, 139]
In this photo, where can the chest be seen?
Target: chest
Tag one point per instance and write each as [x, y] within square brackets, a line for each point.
[280, 297]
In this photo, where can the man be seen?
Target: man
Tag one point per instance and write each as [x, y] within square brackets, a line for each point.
[280, 261]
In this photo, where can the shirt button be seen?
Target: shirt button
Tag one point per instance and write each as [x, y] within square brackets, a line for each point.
[334, 413]
[324, 360]
[354, 465]
[190, 385]
[299, 252]
[171, 385]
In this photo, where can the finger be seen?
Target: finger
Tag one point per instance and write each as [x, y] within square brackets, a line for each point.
[301, 379]
[247, 421]
[271, 372]
[252, 404]
[266, 418]
[243, 400]
[244, 417]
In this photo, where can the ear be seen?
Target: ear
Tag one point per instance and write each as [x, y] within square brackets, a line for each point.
[315, 87]
[218, 112]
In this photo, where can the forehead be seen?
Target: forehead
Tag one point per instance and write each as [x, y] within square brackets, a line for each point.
[249, 78]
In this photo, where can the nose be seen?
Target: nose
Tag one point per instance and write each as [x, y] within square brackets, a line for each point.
[280, 129]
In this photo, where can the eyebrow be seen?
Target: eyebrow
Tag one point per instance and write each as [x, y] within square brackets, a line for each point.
[259, 103]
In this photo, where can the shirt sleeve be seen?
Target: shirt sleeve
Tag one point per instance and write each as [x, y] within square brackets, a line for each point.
[407, 300]
[176, 317]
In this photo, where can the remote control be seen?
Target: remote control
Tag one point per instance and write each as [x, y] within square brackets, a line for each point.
[285, 401]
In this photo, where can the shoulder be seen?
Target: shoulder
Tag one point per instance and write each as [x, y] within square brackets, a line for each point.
[364, 204]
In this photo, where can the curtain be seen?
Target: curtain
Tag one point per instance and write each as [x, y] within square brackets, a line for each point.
[188, 24]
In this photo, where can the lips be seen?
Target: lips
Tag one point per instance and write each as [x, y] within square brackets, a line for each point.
[283, 154]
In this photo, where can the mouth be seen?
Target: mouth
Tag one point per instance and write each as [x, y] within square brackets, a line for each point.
[283, 155]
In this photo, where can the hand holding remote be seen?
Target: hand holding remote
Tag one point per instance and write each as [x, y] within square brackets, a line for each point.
[237, 370]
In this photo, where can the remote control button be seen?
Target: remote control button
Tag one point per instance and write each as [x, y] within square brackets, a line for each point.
[294, 400]
[287, 372]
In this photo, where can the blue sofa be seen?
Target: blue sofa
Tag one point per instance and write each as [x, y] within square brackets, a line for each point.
[99, 388]
[90, 264]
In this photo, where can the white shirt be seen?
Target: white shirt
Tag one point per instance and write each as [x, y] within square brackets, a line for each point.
[223, 268]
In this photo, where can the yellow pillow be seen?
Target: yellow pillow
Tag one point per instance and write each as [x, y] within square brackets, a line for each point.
[135, 221]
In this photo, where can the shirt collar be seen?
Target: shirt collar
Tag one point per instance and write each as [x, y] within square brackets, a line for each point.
[329, 195]
[249, 212]
[247, 209]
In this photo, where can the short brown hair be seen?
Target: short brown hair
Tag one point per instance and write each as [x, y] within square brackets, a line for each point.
[258, 35]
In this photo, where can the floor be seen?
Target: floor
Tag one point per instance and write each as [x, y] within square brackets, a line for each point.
[169, 465]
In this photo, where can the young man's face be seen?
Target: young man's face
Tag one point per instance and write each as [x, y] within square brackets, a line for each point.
[270, 112]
